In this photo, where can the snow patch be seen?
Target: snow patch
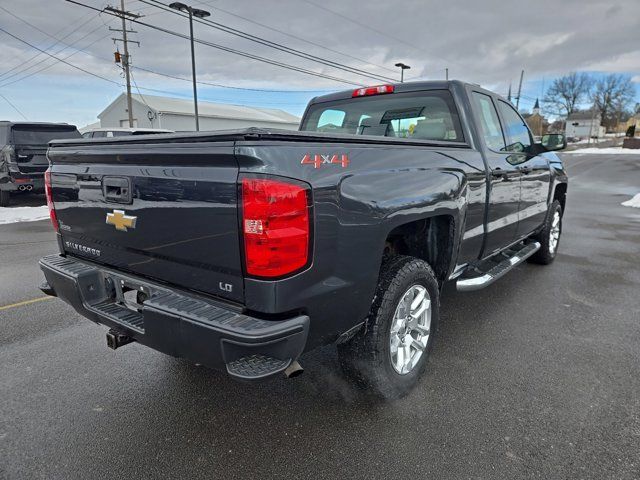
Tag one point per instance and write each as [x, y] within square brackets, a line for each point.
[634, 202]
[607, 151]
[23, 214]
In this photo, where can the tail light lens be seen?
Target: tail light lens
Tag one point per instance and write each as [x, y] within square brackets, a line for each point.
[276, 226]
[49, 194]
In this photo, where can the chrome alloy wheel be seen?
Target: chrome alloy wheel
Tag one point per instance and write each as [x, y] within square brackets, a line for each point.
[554, 233]
[410, 329]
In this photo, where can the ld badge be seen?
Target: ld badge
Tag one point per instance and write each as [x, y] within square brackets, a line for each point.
[121, 221]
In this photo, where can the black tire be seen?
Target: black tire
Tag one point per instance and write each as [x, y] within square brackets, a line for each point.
[546, 254]
[367, 357]
[5, 198]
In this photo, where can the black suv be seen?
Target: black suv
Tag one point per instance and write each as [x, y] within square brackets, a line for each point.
[23, 159]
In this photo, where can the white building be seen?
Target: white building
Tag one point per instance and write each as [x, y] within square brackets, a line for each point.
[584, 125]
[150, 111]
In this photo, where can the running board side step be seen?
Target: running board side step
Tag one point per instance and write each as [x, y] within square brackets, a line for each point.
[476, 283]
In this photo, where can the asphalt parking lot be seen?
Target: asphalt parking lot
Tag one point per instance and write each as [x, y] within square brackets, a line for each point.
[533, 377]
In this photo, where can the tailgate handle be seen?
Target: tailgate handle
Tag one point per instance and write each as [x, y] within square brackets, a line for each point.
[117, 189]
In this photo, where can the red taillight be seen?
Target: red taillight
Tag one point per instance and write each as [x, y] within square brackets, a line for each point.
[49, 194]
[377, 90]
[275, 225]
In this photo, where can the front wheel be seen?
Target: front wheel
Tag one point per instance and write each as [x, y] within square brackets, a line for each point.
[389, 357]
[549, 237]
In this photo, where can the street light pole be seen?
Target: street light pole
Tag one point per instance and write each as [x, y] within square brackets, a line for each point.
[200, 14]
[193, 70]
[402, 67]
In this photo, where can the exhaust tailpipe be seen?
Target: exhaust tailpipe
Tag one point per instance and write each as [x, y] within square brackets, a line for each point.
[21, 188]
[294, 370]
[28, 188]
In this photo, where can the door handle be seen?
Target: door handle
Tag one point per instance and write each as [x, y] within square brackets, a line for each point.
[117, 189]
[525, 170]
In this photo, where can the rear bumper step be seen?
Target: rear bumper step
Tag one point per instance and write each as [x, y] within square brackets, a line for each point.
[469, 284]
[178, 324]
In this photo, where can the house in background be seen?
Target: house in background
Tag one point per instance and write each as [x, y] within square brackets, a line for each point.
[151, 111]
[537, 123]
[634, 124]
[584, 124]
[557, 126]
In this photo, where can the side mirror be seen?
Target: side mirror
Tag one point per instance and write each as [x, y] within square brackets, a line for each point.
[554, 141]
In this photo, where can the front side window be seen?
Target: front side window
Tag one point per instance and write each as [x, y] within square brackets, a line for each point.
[427, 115]
[491, 129]
[515, 128]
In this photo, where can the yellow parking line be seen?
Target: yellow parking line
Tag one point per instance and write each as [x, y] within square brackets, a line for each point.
[26, 302]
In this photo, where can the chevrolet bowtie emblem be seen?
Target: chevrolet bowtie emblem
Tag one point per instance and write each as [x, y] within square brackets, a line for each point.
[121, 221]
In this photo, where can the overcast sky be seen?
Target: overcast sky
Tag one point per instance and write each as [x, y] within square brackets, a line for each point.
[485, 42]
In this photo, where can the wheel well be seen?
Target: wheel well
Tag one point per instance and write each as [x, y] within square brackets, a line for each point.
[430, 239]
[560, 194]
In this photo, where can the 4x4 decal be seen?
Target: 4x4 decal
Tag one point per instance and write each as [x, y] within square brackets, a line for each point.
[319, 160]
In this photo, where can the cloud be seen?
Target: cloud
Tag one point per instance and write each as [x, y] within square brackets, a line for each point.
[483, 42]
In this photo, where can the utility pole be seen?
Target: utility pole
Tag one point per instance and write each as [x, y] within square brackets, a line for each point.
[123, 14]
[519, 90]
[446, 74]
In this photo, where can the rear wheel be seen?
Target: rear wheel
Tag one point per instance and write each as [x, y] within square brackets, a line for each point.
[549, 237]
[5, 198]
[391, 354]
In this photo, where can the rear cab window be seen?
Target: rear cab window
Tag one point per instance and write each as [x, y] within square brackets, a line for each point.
[36, 135]
[426, 115]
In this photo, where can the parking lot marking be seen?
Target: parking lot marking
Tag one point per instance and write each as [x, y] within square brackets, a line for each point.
[25, 302]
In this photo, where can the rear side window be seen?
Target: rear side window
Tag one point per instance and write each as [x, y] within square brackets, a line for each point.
[515, 129]
[488, 116]
[427, 115]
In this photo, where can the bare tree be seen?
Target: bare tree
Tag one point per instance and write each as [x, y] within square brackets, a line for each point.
[613, 95]
[566, 93]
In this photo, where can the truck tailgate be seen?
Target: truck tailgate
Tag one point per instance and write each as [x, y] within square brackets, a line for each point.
[31, 160]
[164, 211]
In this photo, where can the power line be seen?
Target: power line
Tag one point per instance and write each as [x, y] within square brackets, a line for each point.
[275, 45]
[24, 70]
[148, 70]
[46, 67]
[3, 82]
[319, 45]
[380, 32]
[94, 74]
[232, 50]
[59, 59]
[14, 107]
[58, 40]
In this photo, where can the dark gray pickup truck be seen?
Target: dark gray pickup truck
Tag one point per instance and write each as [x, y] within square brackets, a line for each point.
[242, 249]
